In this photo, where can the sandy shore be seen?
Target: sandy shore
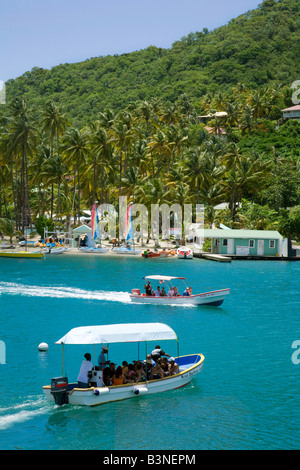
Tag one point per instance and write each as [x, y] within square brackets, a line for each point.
[112, 252]
[74, 251]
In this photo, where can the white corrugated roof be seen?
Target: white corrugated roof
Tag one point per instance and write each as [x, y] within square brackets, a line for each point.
[258, 234]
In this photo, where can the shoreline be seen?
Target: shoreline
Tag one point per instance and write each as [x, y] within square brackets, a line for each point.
[74, 251]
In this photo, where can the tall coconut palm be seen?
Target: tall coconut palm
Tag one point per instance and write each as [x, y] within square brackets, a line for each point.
[76, 151]
[121, 138]
[22, 141]
[100, 151]
[197, 170]
[54, 123]
[53, 172]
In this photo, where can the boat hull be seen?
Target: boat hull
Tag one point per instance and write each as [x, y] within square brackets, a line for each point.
[54, 251]
[214, 298]
[124, 251]
[189, 366]
[94, 250]
[21, 254]
[151, 255]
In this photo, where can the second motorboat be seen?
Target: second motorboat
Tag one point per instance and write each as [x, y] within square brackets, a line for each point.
[166, 293]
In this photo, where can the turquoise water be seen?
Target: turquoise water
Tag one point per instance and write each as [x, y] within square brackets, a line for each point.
[246, 397]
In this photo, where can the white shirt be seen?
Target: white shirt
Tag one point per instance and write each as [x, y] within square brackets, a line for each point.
[86, 366]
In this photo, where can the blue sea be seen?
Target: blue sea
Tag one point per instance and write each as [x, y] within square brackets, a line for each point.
[246, 397]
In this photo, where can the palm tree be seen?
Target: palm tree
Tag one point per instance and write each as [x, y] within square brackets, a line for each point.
[100, 148]
[7, 227]
[145, 109]
[54, 123]
[22, 141]
[197, 170]
[53, 170]
[76, 151]
[121, 137]
[131, 181]
[159, 146]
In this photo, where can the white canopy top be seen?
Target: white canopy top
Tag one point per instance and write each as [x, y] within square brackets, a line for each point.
[158, 277]
[120, 333]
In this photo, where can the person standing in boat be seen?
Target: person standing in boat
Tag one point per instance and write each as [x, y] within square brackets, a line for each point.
[157, 353]
[148, 288]
[85, 368]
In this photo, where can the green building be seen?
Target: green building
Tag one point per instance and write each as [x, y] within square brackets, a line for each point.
[245, 242]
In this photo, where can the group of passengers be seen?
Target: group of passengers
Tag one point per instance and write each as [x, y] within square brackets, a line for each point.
[160, 292]
[155, 366]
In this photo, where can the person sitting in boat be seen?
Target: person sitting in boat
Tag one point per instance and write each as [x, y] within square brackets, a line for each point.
[186, 292]
[148, 288]
[190, 291]
[157, 353]
[131, 375]
[85, 368]
[163, 292]
[173, 367]
[165, 365]
[157, 371]
[149, 364]
[125, 367]
[108, 374]
[176, 291]
[157, 292]
[171, 292]
[140, 373]
[118, 377]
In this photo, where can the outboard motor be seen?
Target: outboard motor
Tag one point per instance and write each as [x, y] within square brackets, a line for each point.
[59, 390]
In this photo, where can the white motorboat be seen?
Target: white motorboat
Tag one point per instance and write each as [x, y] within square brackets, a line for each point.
[212, 298]
[62, 392]
[184, 252]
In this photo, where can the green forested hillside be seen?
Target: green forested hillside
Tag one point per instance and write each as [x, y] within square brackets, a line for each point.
[260, 47]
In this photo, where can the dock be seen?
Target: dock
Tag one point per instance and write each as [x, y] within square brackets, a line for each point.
[214, 257]
[228, 259]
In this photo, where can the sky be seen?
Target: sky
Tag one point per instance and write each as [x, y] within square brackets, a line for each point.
[45, 33]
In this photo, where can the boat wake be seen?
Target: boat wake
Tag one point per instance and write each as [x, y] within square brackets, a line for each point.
[22, 412]
[10, 288]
